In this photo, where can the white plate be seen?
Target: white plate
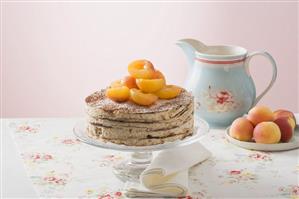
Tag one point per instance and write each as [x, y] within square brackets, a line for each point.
[292, 144]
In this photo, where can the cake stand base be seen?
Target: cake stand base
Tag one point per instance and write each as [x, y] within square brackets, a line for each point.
[130, 169]
[141, 156]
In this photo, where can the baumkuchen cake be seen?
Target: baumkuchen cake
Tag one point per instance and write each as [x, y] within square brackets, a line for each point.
[131, 123]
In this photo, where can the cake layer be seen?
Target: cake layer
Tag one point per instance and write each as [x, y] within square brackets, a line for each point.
[100, 107]
[138, 133]
[130, 124]
[146, 141]
[149, 125]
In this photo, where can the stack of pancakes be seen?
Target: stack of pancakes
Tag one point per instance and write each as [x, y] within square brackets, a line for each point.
[130, 124]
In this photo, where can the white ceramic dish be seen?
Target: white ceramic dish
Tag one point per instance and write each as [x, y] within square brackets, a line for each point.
[292, 144]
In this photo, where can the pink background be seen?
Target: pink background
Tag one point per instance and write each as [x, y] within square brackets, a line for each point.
[55, 54]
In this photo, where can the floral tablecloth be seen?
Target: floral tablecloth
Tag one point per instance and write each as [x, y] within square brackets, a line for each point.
[59, 165]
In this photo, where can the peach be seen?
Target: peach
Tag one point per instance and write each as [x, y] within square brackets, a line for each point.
[150, 85]
[169, 92]
[141, 69]
[260, 114]
[266, 133]
[129, 82]
[285, 113]
[286, 128]
[144, 99]
[241, 129]
[118, 94]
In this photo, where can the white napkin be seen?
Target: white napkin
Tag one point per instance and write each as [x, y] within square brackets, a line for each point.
[167, 175]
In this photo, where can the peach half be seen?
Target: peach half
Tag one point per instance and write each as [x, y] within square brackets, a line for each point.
[169, 92]
[141, 69]
[129, 82]
[116, 83]
[144, 99]
[150, 85]
[118, 94]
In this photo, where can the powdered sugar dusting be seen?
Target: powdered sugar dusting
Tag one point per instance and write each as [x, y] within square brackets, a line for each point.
[100, 101]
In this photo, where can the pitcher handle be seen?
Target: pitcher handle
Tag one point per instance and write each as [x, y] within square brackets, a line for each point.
[274, 71]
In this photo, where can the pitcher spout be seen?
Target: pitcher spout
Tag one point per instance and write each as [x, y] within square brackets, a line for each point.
[190, 46]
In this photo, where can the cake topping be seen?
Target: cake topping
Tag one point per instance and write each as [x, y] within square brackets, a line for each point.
[99, 101]
[169, 92]
[141, 69]
[118, 94]
[144, 85]
[141, 98]
[129, 82]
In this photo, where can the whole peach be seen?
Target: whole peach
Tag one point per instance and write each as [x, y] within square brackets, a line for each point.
[286, 128]
[266, 133]
[260, 114]
[285, 113]
[241, 129]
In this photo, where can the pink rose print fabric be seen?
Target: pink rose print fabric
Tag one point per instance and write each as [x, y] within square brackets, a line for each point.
[59, 165]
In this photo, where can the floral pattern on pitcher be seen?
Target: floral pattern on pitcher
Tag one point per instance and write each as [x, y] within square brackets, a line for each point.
[219, 100]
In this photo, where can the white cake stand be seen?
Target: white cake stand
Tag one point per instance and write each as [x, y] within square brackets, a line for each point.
[141, 156]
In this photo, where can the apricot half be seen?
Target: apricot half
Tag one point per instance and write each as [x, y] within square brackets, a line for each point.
[118, 94]
[169, 92]
[150, 85]
[144, 99]
[141, 69]
[129, 82]
[158, 75]
[116, 83]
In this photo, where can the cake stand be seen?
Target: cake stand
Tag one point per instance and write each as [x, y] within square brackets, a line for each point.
[141, 156]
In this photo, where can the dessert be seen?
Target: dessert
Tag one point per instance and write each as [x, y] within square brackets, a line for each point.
[140, 109]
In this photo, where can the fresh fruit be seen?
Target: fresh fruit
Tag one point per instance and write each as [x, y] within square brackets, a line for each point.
[129, 82]
[241, 129]
[169, 92]
[141, 69]
[150, 85]
[116, 83]
[144, 99]
[286, 128]
[260, 114]
[118, 94]
[266, 133]
[285, 113]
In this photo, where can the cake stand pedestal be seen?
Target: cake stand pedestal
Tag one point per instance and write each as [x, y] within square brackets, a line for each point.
[141, 156]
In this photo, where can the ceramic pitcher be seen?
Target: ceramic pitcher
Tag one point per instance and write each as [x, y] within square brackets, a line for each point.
[220, 81]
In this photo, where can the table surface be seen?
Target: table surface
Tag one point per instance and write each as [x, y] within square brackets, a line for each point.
[48, 161]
